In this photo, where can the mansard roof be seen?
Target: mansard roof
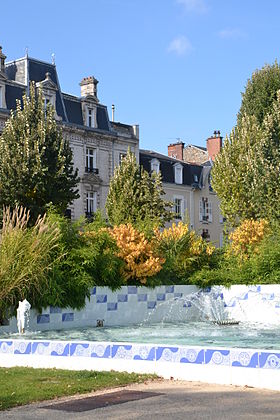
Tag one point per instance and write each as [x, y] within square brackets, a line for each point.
[68, 107]
[191, 172]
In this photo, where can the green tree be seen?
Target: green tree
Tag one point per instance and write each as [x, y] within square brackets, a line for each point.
[260, 92]
[246, 173]
[36, 165]
[136, 197]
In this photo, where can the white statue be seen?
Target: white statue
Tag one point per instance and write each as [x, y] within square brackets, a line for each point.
[22, 315]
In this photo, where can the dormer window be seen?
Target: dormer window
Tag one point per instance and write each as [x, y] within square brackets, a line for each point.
[195, 178]
[90, 117]
[178, 172]
[155, 166]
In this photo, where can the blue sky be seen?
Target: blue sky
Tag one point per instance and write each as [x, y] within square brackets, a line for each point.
[175, 67]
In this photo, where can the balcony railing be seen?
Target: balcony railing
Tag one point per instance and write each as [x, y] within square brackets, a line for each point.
[89, 170]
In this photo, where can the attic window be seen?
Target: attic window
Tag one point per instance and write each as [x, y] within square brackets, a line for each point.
[178, 172]
[195, 178]
[155, 166]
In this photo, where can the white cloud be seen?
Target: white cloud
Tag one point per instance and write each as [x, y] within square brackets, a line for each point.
[180, 46]
[231, 33]
[199, 6]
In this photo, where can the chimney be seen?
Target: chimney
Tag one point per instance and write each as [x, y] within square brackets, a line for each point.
[2, 61]
[175, 150]
[214, 145]
[89, 86]
[113, 112]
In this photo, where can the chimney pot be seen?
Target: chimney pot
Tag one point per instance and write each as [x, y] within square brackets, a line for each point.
[214, 145]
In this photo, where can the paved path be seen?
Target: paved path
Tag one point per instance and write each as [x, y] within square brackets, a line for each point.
[173, 400]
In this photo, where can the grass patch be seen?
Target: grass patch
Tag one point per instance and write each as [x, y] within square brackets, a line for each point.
[19, 385]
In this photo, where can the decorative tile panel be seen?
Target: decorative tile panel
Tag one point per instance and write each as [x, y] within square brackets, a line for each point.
[244, 358]
[151, 305]
[6, 346]
[68, 317]
[192, 355]
[43, 319]
[169, 289]
[93, 290]
[122, 298]
[22, 347]
[100, 350]
[59, 348]
[132, 290]
[269, 360]
[142, 297]
[178, 295]
[80, 349]
[112, 306]
[160, 297]
[133, 352]
[168, 354]
[55, 310]
[101, 298]
[217, 357]
[41, 348]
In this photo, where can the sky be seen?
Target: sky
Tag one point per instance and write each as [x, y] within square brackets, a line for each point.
[175, 67]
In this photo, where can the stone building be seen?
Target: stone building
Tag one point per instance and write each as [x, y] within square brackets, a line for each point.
[203, 205]
[97, 143]
[188, 187]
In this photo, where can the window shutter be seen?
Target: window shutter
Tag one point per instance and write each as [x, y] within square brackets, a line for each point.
[200, 210]
[210, 218]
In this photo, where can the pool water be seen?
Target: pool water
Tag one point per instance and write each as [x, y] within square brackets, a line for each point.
[244, 335]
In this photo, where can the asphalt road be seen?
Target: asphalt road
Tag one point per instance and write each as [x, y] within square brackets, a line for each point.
[159, 400]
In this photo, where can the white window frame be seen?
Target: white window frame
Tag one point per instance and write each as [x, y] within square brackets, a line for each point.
[155, 164]
[205, 210]
[180, 202]
[178, 173]
[91, 202]
[90, 158]
[122, 155]
[90, 117]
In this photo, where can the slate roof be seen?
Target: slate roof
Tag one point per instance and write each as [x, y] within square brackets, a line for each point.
[167, 168]
[68, 107]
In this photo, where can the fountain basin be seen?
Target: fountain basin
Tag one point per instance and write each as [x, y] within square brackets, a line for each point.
[244, 361]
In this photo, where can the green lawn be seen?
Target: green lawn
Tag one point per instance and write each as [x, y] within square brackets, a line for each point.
[20, 385]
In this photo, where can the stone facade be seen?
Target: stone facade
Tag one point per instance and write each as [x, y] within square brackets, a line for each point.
[96, 142]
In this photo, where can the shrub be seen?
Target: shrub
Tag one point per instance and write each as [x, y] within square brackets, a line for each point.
[26, 256]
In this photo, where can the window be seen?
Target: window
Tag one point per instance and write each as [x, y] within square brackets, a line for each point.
[1, 93]
[121, 157]
[195, 178]
[178, 207]
[205, 235]
[205, 210]
[90, 118]
[46, 102]
[91, 203]
[155, 166]
[91, 161]
[178, 174]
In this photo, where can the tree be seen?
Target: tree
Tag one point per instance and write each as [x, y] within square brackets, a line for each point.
[136, 197]
[246, 173]
[36, 165]
[260, 93]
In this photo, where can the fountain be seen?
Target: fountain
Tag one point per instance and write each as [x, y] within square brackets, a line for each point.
[23, 313]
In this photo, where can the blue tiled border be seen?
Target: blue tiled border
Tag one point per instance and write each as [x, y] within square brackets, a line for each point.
[235, 358]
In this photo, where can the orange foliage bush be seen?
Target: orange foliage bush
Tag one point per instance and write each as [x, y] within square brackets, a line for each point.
[247, 236]
[137, 252]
